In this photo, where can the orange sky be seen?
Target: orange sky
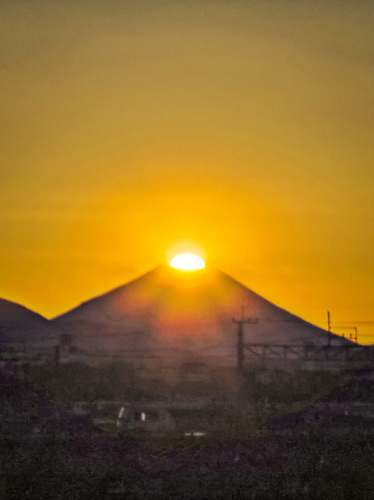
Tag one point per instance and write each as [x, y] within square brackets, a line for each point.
[245, 126]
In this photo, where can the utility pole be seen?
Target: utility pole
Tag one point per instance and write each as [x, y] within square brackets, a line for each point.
[240, 355]
[240, 349]
[340, 328]
[329, 328]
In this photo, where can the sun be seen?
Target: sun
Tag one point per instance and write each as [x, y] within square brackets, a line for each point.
[187, 262]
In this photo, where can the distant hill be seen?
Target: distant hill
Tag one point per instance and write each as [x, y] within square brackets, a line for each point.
[19, 324]
[188, 315]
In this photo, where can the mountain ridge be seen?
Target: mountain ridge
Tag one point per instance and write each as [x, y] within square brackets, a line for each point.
[18, 323]
[168, 309]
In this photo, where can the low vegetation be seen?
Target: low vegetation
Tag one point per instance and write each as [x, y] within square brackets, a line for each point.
[309, 454]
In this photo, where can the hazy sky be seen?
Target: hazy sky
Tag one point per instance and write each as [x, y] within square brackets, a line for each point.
[246, 126]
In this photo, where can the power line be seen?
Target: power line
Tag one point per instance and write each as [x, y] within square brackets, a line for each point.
[357, 322]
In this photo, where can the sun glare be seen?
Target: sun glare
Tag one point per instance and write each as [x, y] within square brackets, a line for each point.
[187, 262]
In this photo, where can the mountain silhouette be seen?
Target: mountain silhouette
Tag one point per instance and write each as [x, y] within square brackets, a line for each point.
[184, 315]
[18, 324]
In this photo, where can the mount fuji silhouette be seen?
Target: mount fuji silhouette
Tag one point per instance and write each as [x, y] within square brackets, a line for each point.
[184, 316]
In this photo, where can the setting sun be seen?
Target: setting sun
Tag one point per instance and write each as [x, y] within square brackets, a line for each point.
[187, 262]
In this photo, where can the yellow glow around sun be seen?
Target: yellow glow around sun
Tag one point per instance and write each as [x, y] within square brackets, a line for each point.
[187, 262]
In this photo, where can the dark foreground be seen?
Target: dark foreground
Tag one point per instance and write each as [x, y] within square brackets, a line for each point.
[325, 451]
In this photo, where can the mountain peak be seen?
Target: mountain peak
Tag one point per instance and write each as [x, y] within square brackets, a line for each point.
[172, 308]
